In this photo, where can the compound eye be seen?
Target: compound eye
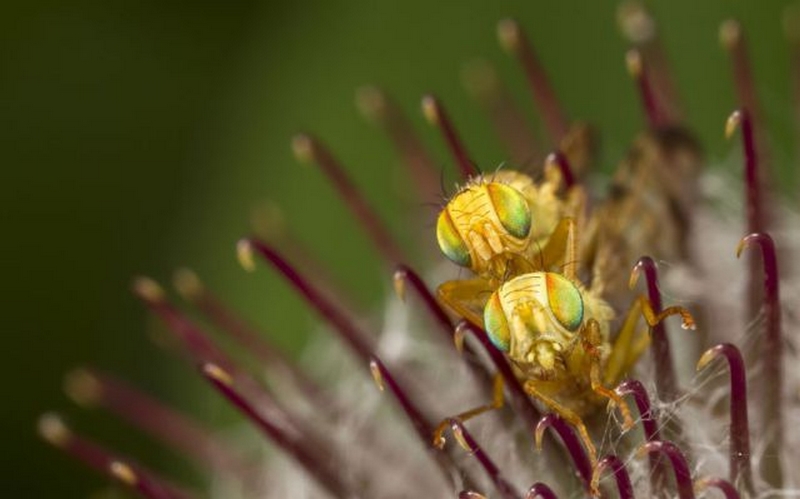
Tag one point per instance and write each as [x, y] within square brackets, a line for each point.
[450, 241]
[496, 324]
[511, 208]
[565, 301]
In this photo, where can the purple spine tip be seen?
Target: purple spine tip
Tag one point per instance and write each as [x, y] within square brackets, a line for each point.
[683, 477]
[580, 460]
[514, 39]
[424, 429]
[623, 480]
[559, 159]
[309, 148]
[505, 489]
[740, 467]
[436, 115]
[519, 399]
[277, 428]
[539, 489]
[356, 339]
[771, 355]
[404, 274]
[666, 386]
[649, 425]
[743, 119]
[724, 486]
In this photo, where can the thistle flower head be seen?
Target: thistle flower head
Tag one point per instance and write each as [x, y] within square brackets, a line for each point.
[375, 410]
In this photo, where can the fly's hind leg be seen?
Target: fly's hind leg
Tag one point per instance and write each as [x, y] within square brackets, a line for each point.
[591, 341]
[498, 401]
[627, 348]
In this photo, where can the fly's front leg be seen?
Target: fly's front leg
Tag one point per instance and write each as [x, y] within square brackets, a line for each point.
[653, 318]
[592, 341]
[532, 388]
[498, 400]
[466, 298]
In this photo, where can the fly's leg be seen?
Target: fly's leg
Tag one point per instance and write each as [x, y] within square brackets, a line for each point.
[568, 415]
[466, 298]
[653, 319]
[562, 247]
[627, 348]
[591, 341]
[498, 401]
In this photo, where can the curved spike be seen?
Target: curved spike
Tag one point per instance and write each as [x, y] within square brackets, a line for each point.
[140, 481]
[287, 437]
[579, 458]
[771, 356]
[436, 115]
[192, 339]
[641, 30]
[741, 119]
[308, 148]
[680, 467]
[560, 160]
[739, 429]
[637, 70]
[481, 80]
[513, 39]
[379, 108]
[356, 339]
[244, 333]
[90, 387]
[53, 430]
[623, 480]
[465, 439]
[469, 494]
[403, 274]
[519, 400]
[649, 425]
[636, 389]
[732, 39]
[424, 429]
[724, 486]
[539, 489]
[666, 385]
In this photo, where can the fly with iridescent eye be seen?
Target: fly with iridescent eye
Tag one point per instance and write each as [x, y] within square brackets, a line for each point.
[556, 334]
[503, 225]
[554, 329]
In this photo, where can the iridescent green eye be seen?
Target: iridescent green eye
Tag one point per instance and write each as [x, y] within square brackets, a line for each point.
[495, 323]
[511, 208]
[450, 241]
[565, 300]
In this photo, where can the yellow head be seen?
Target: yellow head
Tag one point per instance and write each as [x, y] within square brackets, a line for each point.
[533, 317]
[496, 220]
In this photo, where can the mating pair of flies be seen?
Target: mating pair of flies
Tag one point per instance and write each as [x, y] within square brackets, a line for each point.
[543, 295]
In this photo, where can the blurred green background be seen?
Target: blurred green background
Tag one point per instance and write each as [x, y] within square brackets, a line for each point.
[138, 136]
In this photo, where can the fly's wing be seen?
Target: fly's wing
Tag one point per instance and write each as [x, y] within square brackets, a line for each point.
[466, 298]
